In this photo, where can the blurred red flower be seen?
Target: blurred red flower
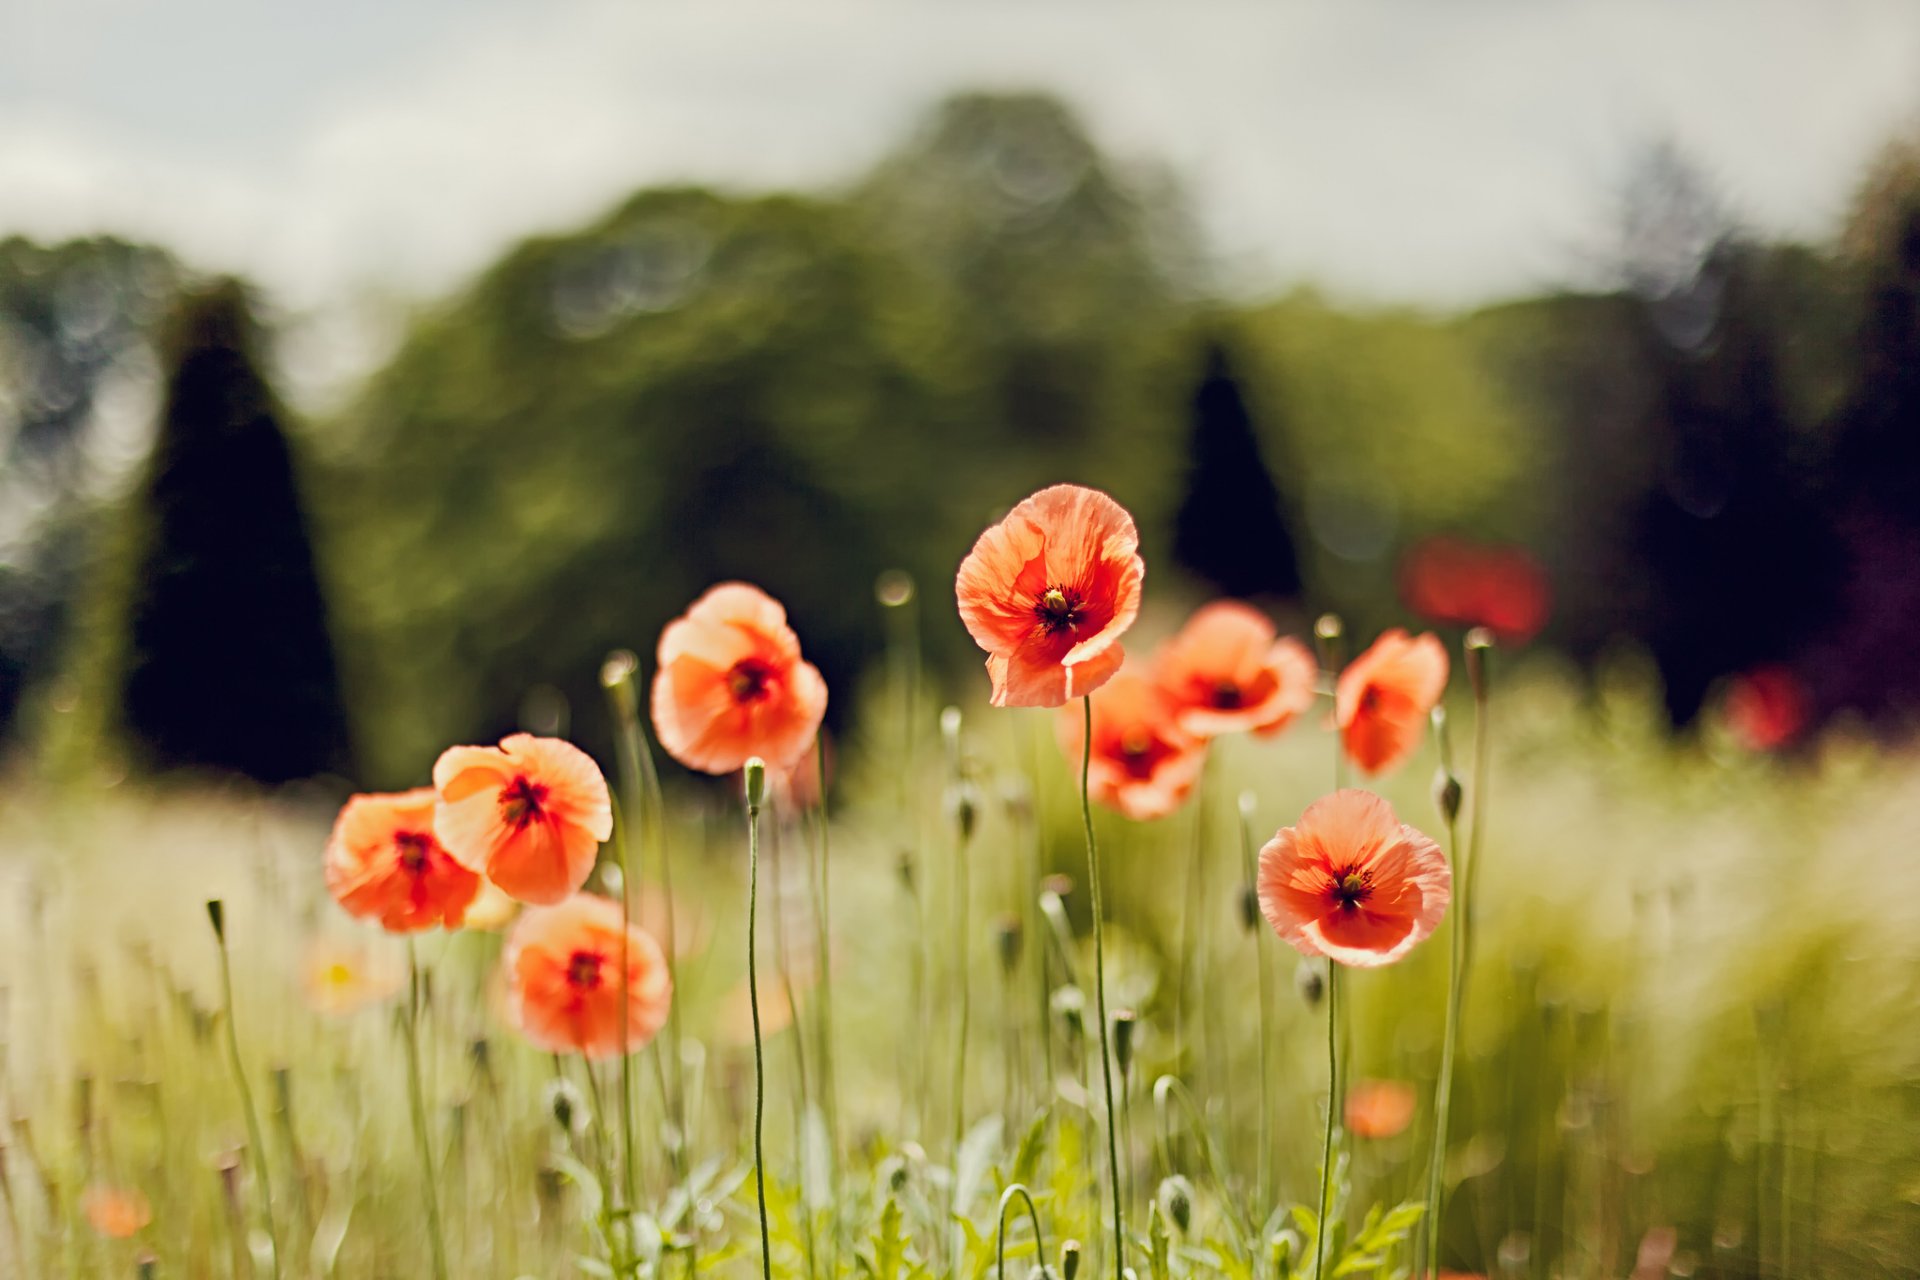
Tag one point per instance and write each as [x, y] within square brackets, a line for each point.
[562, 965]
[1379, 1108]
[1227, 672]
[384, 863]
[1471, 584]
[1143, 763]
[1047, 593]
[1765, 708]
[115, 1212]
[1383, 698]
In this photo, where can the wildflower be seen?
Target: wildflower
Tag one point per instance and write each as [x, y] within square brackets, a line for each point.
[1384, 696]
[731, 684]
[1047, 593]
[530, 814]
[563, 973]
[384, 863]
[1353, 883]
[1452, 580]
[341, 978]
[115, 1212]
[1144, 764]
[1765, 708]
[1379, 1108]
[1226, 672]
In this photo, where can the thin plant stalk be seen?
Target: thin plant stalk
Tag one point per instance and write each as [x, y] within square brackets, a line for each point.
[416, 1104]
[256, 1146]
[1263, 965]
[803, 1091]
[1327, 634]
[1190, 909]
[963, 832]
[755, 793]
[1333, 1108]
[823, 929]
[1100, 993]
[1456, 975]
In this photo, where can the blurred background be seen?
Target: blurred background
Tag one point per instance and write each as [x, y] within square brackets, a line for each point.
[368, 372]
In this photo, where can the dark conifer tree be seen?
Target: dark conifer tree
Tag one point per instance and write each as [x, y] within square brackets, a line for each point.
[1229, 531]
[229, 666]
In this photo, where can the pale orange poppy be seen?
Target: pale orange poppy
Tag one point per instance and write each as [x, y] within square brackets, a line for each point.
[1143, 763]
[529, 814]
[1379, 1108]
[384, 863]
[115, 1212]
[1385, 695]
[1228, 672]
[562, 965]
[340, 977]
[1047, 593]
[1352, 882]
[732, 685]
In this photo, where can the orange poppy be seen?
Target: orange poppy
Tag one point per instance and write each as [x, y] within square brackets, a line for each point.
[1227, 673]
[115, 1212]
[384, 863]
[1385, 695]
[1379, 1108]
[341, 978]
[1352, 882]
[1765, 708]
[562, 965]
[1047, 593]
[1143, 763]
[530, 814]
[732, 684]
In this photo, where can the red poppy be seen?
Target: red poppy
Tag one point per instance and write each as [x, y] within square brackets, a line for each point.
[1380, 1108]
[1047, 593]
[1470, 584]
[1227, 672]
[115, 1212]
[1351, 882]
[530, 814]
[1765, 708]
[384, 863]
[1385, 695]
[1143, 763]
[562, 966]
[732, 684]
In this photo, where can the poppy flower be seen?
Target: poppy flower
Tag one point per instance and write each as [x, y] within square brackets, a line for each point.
[384, 863]
[1143, 763]
[1470, 584]
[562, 965]
[1047, 593]
[1226, 672]
[1351, 882]
[1379, 1108]
[1765, 708]
[115, 1212]
[1385, 695]
[529, 814]
[732, 685]
[341, 978]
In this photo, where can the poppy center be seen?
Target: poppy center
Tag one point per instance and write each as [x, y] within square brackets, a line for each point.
[1352, 889]
[583, 970]
[521, 801]
[1057, 609]
[747, 679]
[413, 846]
[1140, 753]
[1227, 696]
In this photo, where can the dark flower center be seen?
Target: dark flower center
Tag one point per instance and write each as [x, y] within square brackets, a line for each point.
[1227, 696]
[1141, 753]
[1057, 609]
[1352, 888]
[583, 970]
[748, 678]
[521, 801]
[413, 846]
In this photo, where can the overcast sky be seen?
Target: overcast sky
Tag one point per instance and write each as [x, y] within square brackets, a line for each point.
[1439, 153]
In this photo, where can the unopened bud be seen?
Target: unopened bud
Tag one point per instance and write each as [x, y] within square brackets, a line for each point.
[1176, 1202]
[963, 806]
[1310, 982]
[616, 677]
[950, 731]
[756, 772]
[1059, 884]
[1281, 1249]
[1006, 937]
[1248, 803]
[1249, 907]
[217, 913]
[1446, 794]
[1124, 1023]
[569, 1108]
[1069, 1260]
[1070, 1006]
[1479, 641]
[1327, 631]
[893, 588]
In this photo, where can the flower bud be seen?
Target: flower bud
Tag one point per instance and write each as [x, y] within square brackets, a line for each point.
[950, 733]
[903, 867]
[1059, 884]
[1446, 794]
[568, 1106]
[1249, 907]
[963, 806]
[616, 677]
[1069, 1260]
[756, 781]
[1124, 1023]
[1176, 1202]
[1006, 937]
[1479, 640]
[217, 913]
[1310, 981]
[894, 588]
[1070, 1006]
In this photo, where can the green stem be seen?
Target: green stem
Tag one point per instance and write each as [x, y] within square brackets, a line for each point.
[759, 1062]
[1333, 1108]
[416, 1103]
[1443, 1089]
[823, 927]
[256, 1146]
[1263, 1176]
[965, 1016]
[1100, 993]
[1000, 1231]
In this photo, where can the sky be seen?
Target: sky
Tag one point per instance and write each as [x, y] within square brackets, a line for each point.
[1439, 154]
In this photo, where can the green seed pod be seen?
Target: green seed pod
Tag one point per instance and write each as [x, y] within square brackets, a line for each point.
[1249, 907]
[1069, 1260]
[756, 780]
[1070, 1006]
[1124, 1023]
[1176, 1202]
[1446, 794]
[1310, 982]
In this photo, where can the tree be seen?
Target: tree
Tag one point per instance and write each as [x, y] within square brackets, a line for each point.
[229, 664]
